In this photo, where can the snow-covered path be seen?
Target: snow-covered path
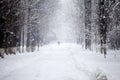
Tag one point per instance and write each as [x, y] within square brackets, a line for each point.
[53, 62]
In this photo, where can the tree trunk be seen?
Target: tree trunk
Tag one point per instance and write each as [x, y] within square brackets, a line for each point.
[87, 4]
[103, 24]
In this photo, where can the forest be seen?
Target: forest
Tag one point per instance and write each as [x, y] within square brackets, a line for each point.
[59, 39]
[27, 25]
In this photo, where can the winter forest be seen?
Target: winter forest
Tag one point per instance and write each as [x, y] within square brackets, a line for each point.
[60, 35]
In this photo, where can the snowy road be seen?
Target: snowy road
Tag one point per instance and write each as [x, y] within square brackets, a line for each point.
[53, 62]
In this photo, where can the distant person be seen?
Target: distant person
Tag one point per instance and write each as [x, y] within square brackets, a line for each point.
[58, 42]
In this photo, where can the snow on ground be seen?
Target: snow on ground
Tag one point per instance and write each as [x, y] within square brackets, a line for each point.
[60, 62]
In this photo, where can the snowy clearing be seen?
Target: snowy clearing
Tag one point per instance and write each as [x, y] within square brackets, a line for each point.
[60, 62]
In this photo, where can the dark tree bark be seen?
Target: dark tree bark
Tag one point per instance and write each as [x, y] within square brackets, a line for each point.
[10, 24]
[87, 4]
[105, 9]
[103, 24]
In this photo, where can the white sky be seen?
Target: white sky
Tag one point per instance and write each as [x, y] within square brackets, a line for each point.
[62, 21]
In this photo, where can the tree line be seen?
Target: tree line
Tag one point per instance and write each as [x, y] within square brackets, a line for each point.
[24, 24]
[101, 24]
